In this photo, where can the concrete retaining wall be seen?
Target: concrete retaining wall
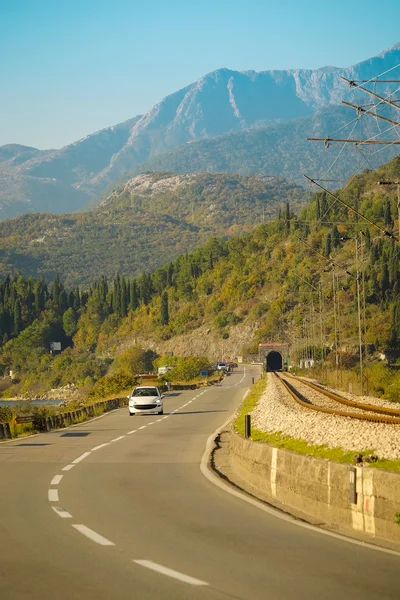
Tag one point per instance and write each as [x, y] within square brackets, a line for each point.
[321, 489]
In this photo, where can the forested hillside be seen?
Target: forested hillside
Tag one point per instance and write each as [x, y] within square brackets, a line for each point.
[292, 279]
[148, 221]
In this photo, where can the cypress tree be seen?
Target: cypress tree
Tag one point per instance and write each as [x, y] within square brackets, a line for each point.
[56, 290]
[335, 237]
[387, 215]
[164, 316]
[328, 245]
[395, 325]
[17, 318]
[123, 302]
[318, 209]
[385, 283]
[133, 295]
[170, 274]
[287, 217]
[77, 299]
[324, 205]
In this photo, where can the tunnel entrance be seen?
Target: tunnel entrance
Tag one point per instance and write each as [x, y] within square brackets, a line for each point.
[274, 361]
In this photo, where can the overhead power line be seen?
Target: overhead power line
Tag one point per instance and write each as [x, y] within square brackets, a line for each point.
[355, 211]
[360, 109]
[328, 260]
[360, 87]
[327, 141]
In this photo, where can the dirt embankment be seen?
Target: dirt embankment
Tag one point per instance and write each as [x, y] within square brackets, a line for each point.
[206, 342]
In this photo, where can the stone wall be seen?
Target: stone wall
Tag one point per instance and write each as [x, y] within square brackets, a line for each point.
[321, 489]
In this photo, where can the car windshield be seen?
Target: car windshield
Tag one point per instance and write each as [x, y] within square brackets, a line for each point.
[151, 391]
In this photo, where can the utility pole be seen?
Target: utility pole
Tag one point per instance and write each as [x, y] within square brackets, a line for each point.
[336, 328]
[321, 320]
[359, 320]
[363, 308]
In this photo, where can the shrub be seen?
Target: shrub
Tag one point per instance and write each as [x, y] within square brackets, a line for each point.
[111, 384]
[189, 367]
[6, 414]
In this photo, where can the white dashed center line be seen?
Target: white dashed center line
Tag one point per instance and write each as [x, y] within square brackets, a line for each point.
[92, 535]
[169, 572]
[53, 495]
[81, 457]
[61, 512]
[96, 537]
[68, 468]
[101, 446]
[56, 480]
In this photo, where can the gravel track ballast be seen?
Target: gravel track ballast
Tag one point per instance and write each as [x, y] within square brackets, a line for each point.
[276, 411]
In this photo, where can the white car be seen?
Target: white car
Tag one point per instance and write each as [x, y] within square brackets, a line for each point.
[146, 399]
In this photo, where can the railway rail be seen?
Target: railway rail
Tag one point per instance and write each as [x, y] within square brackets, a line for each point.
[323, 401]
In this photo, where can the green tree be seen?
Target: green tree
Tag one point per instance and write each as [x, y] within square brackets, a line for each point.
[164, 316]
[328, 245]
[70, 322]
[17, 318]
[287, 217]
[387, 215]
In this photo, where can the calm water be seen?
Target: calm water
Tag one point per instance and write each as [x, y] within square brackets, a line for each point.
[31, 402]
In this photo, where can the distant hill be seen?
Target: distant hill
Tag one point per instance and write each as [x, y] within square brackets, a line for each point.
[147, 222]
[221, 102]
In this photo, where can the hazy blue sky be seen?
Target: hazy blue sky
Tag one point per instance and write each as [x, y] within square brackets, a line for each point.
[71, 67]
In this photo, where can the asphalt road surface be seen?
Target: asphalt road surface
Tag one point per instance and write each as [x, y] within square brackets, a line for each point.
[117, 508]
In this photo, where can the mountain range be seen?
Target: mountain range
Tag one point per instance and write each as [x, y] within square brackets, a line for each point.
[222, 103]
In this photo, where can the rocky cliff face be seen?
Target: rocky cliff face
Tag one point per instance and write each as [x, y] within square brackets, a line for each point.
[221, 102]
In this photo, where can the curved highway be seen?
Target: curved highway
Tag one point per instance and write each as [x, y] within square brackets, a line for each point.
[118, 508]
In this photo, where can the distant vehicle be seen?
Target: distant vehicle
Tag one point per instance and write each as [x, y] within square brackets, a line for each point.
[164, 370]
[145, 399]
[221, 366]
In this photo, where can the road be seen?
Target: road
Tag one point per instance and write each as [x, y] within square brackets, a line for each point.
[118, 508]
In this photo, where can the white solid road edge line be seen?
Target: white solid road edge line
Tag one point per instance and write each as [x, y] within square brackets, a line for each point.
[52, 495]
[92, 535]
[210, 474]
[56, 480]
[81, 457]
[169, 572]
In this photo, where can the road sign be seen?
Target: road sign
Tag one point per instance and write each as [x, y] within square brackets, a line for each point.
[204, 373]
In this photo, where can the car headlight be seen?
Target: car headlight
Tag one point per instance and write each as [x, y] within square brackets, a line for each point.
[158, 400]
[131, 402]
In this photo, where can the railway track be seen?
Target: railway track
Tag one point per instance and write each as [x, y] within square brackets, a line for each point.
[325, 401]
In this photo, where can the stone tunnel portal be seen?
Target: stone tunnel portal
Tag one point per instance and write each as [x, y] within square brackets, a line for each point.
[274, 361]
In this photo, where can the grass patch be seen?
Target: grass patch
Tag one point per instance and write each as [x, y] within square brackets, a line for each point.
[300, 446]
[387, 465]
[285, 442]
[256, 391]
